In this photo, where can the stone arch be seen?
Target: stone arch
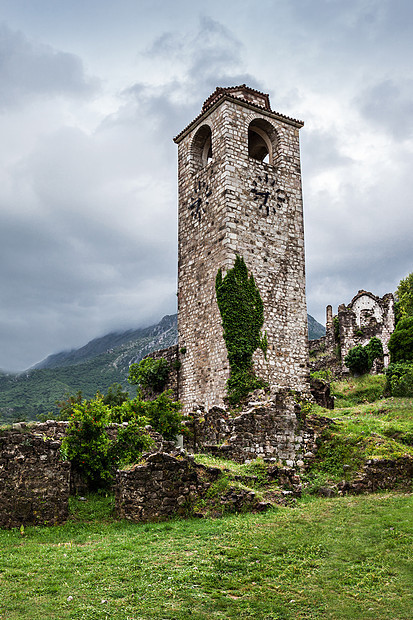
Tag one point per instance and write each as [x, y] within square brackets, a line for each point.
[262, 141]
[201, 147]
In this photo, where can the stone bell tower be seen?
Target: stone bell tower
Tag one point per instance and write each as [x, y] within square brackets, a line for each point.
[240, 194]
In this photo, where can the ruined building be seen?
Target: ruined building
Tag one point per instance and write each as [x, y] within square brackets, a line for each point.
[240, 194]
[365, 317]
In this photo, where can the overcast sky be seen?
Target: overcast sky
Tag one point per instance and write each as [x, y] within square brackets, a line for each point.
[92, 93]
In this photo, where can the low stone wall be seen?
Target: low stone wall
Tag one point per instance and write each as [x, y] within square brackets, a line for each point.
[380, 474]
[34, 482]
[274, 429]
[166, 485]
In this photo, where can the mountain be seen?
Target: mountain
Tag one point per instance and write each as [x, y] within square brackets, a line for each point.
[315, 329]
[94, 367]
[136, 342]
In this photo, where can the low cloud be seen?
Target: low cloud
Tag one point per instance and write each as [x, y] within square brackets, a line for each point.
[29, 69]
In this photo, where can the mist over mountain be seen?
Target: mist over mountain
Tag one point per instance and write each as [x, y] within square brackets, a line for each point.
[91, 368]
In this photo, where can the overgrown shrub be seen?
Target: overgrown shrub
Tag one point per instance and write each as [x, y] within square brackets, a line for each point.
[357, 360]
[324, 375]
[130, 442]
[150, 374]
[165, 415]
[374, 350]
[400, 379]
[401, 341]
[87, 444]
[360, 359]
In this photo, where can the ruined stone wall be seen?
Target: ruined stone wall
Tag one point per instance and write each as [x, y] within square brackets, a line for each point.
[274, 429]
[366, 316]
[221, 214]
[167, 485]
[34, 482]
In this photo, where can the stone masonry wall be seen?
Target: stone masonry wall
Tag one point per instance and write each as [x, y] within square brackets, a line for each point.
[167, 485]
[274, 429]
[34, 482]
[365, 317]
[221, 214]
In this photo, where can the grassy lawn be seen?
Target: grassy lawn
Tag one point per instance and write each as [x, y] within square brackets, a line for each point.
[345, 557]
[332, 558]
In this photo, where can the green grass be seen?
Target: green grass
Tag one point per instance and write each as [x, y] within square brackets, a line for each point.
[375, 427]
[326, 558]
[356, 390]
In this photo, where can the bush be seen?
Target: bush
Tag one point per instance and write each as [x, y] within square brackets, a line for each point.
[88, 446]
[374, 350]
[150, 374]
[401, 341]
[87, 443]
[400, 379]
[324, 375]
[130, 442]
[357, 360]
[165, 415]
[360, 359]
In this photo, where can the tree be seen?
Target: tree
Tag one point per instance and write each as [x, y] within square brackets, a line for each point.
[360, 359]
[401, 341]
[404, 294]
[357, 360]
[150, 374]
[374, 350]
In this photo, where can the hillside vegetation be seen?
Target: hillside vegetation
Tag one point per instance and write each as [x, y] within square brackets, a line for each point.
[94, 367]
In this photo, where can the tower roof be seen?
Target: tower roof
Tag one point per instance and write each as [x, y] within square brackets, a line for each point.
[240, 92]
[244, 95]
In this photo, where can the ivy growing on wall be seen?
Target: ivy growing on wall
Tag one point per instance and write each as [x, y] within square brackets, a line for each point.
[242, 313]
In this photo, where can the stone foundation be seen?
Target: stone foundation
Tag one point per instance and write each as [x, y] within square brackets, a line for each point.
[274, 429]
[166, 485]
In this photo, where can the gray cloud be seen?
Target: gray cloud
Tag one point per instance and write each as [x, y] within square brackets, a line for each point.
[388, 106]
[88, 184]
[29, 69]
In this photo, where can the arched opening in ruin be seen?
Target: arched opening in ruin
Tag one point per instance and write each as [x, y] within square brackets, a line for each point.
[201, 149]
[262, 141]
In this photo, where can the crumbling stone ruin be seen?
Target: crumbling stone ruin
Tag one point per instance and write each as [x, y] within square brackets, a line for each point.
[166, 485]
[34, 482]
[365, 317]
[240, 194]
[273, 429]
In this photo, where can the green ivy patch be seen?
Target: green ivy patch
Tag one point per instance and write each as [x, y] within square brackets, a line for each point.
[242, 313]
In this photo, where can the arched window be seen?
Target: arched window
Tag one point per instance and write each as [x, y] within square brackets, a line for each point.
[201, 149]
[262, 141]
